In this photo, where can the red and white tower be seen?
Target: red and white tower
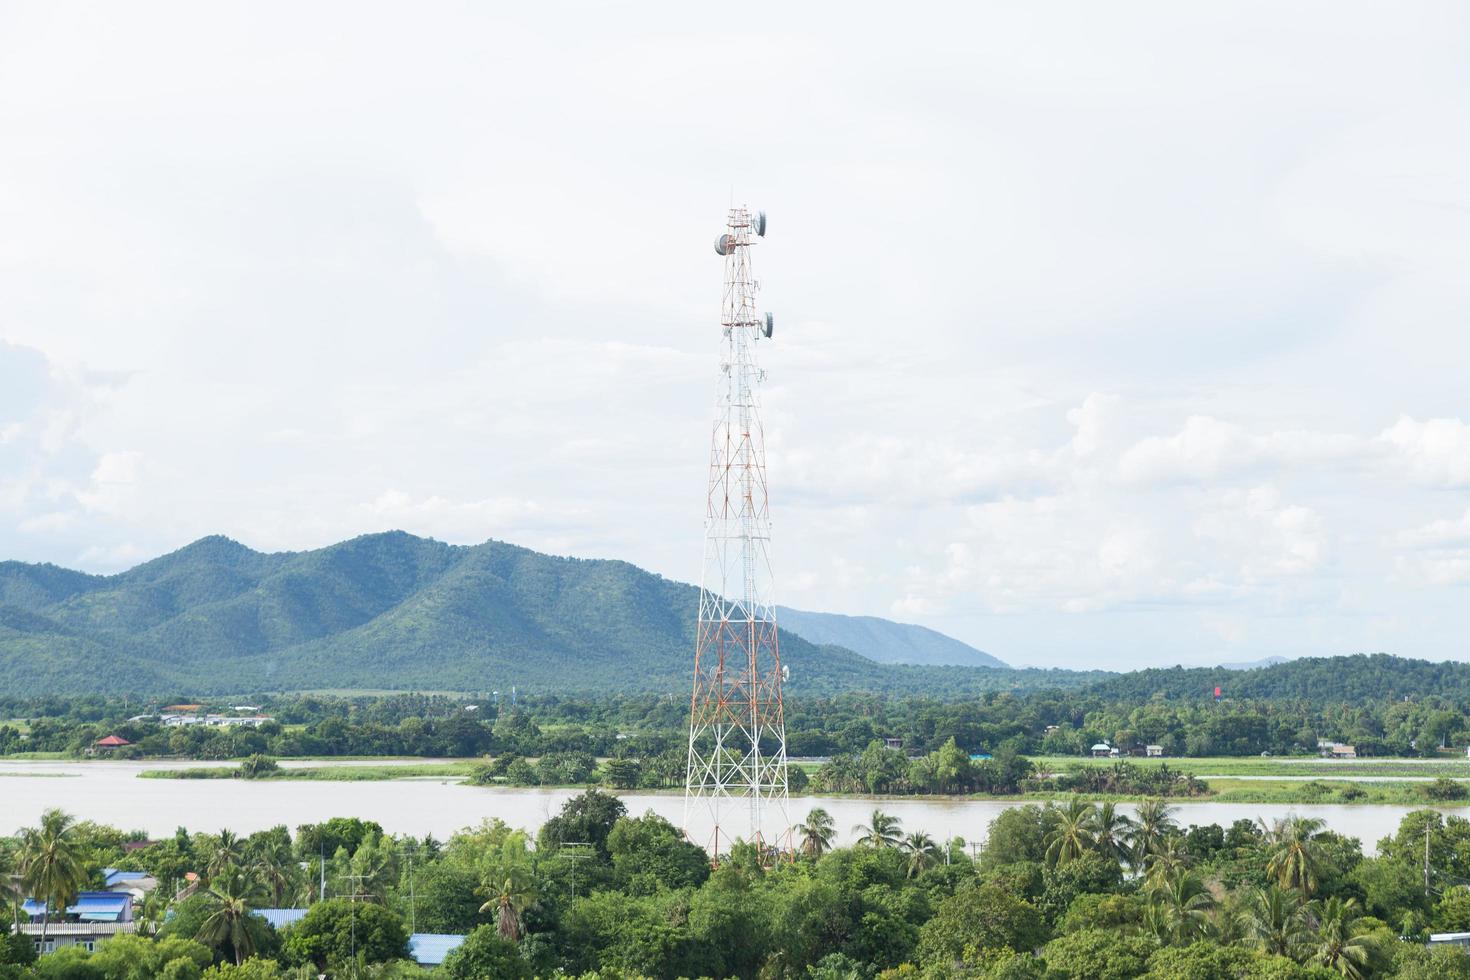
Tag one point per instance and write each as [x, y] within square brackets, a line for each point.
[736, 785]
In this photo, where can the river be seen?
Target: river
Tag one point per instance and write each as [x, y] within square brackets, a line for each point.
[111, 793]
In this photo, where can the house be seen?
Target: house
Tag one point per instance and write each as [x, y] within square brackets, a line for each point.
[1467, 751]
[893, 743]
[96, 916]
[134, 883]
[1102, 750]
[281, 918]
[111, 742]
[430, 948]
[1449, 939]
[1154, 751]
[980, 757]
[1336, 750]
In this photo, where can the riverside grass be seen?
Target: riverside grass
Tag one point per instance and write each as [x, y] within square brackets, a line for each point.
[1322, 783]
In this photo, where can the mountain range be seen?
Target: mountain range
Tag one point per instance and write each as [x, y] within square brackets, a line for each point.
[884, 641]
[393, 611]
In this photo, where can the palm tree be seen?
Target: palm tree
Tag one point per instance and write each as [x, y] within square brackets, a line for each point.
[816, 833]
[1073, 833]
[1294, 854]
[923, 852]
[226, 850]
[1169, 858]
[1341, 943]
[881, 830]
[232, 894]
[1184, 904]
[273, 863]
[1110, 831]
[513, 894]
[1276, 922]
[51, 863]
[1153, 821]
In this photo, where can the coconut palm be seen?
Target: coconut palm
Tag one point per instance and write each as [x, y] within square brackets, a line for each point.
[1184, 905]
[1275, 921]
[50, 862]
[513, 893]
[1110, 831]
[273, 863]
[226, 850]
[1152, 822]
[816, 833]
[1168, 859]
[1293, 852]
[923, 851]
[1341, 943]
[1073, 833]
[881, 830]
[231, 896]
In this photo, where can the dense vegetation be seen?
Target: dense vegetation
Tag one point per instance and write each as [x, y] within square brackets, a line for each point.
[1047, 723]
[391, 611]
[1059, 892]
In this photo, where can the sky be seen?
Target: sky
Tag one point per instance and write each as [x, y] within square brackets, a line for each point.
[1107, 335]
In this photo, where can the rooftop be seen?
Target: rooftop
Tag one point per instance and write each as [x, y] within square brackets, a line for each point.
[430, 948]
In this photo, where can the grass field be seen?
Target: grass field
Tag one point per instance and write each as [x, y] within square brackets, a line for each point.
[1299, 767]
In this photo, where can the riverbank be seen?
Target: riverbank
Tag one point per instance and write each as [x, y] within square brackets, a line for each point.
[1402, 782]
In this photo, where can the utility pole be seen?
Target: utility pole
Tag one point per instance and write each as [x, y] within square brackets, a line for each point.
[1426, 859]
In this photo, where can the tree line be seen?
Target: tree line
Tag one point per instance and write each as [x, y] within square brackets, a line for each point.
[1062, 891]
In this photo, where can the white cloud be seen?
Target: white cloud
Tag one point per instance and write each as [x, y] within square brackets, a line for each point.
[1140, 403]
[1435, 452]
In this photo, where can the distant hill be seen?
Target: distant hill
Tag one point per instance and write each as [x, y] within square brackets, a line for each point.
[885, 641]
[394, 611]
[1351, 679]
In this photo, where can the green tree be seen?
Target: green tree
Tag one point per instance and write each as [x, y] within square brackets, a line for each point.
[1152, 822]
[51, 863]
[486, 953]
[231, 898]
[252, 969]
[586, 818]
[1095, 954]
[1276, 922]
[815, 834]
[923, 852]
[1072, 835]
[340, 931]
[648, 852]
[981, 916]
[139, 958]
[881, 830]
[1293, 853]
[1341, 943]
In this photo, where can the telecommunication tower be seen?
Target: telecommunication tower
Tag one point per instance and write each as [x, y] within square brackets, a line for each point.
[736, 784]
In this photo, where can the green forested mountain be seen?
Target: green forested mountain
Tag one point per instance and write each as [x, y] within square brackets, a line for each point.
[391, 611]
[885, 641]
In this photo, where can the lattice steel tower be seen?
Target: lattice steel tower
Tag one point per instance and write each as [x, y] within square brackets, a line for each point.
[736, 784]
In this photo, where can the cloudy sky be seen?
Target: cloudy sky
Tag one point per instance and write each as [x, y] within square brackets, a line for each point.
[1108, 335]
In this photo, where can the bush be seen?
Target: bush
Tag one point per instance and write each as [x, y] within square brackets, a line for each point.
[1445, 788]
[484, 953]
[258, 767]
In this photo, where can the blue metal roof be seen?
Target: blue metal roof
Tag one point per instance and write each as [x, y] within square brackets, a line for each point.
[115, 875]
[100, 906]
[430, 948]
[280, 918]
[33, 908]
